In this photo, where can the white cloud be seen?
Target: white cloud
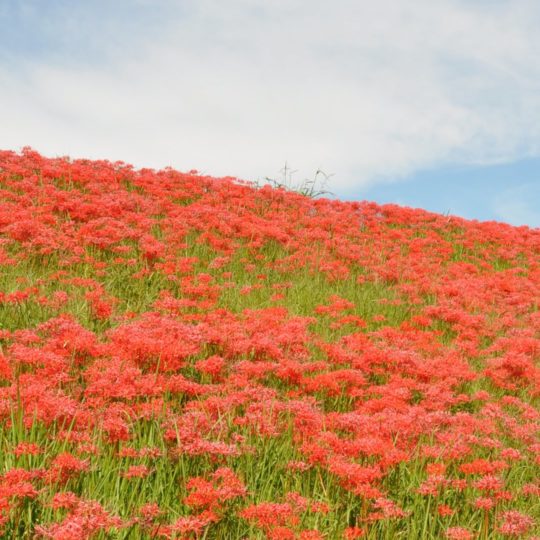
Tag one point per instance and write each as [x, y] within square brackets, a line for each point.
[364, 90]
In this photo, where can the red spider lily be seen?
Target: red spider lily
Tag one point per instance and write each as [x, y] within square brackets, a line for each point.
[353, 532]
[444, 510]
[169, 327]
[65, 466]
[27, 449]
[137, 471]
[458, 533]
[515, 523]
[84, 521]
[270, 515]
[65, 499]
[223, 486]
[194, 524]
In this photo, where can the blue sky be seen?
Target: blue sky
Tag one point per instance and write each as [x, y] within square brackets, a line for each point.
[428, 103]
[508, 192]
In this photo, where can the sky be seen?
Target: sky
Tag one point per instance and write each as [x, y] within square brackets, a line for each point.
[426, 103]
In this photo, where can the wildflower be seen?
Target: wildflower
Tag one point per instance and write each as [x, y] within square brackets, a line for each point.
[24, 448]
[212, 365]
[65, 499]
[136, 471]
[531, 489]
[444, 510]
[488, 483]
[65, 466]
[350, 533]
[515, 523]
[511, 454]
[435, 469]
[281, 533]
[458, 533]
[195, 523]
[484, 503]
[222, 486]
[388, 508]
[311, 535]
[268, 515]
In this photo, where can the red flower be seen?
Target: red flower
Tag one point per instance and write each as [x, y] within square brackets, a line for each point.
[515, 523]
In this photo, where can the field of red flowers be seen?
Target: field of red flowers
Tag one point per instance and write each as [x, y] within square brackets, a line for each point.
[190, 357]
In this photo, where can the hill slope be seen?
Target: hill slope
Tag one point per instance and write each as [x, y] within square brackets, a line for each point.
[190, 357]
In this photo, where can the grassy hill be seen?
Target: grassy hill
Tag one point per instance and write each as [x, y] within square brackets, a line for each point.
[192, 357]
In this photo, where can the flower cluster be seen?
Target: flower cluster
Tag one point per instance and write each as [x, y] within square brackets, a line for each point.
[192, 357]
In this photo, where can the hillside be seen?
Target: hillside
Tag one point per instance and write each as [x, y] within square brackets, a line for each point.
[190, 357]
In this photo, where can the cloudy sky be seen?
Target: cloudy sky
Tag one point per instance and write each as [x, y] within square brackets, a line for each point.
[427, 103]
